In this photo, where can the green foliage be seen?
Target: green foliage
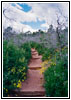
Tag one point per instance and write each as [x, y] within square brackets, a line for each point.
[15, 65]
[47, 53]
[37, 46]
[56, 76]
[27, 50]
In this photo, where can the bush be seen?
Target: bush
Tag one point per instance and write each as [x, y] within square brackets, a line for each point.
[37, 46]
[45, 52]
[48, 53]
[14, 66]
[27, 50]
[56, 76]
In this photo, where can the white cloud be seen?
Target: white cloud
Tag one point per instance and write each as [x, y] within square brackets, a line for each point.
[42, 11]
[48, 11]
[45, 25]
[18, 27]
[16, 16]
[17, 6]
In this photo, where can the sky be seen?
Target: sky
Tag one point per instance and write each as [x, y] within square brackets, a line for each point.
[23, 17]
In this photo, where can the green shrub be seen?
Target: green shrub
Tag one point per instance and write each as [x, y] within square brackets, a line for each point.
[15, 65]
[45, 52]
[56, 77]
[48, 53]
[37, 46]
[27, 50]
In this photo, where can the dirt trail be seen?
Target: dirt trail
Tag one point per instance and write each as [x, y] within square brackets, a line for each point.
[33, 85]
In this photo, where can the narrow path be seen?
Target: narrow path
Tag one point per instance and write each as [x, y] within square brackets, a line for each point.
[35, 61]
[33, 85]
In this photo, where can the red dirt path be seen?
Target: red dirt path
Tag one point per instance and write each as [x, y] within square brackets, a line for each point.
[33, 85]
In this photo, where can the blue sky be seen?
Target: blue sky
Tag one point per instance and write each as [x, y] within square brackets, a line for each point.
[35, 25]
[33, 16]
[26, 8]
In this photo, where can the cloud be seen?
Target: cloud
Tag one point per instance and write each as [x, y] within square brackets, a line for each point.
[45, 25]
[17, 6]
[41, 11]
[16, 16]
[18, 27]
[14, 13]
[48, 11]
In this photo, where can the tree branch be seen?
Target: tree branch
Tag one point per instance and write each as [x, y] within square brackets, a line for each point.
[7, 17]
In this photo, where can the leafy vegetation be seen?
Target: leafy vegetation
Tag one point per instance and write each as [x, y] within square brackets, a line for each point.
[56, 75]
[45, 52]
[37, 46]
[15, 65]
[27, 50]
[54, 67]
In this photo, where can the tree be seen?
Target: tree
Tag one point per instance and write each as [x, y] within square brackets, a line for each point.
[7, 17]
[60, 25]
[8, 29]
